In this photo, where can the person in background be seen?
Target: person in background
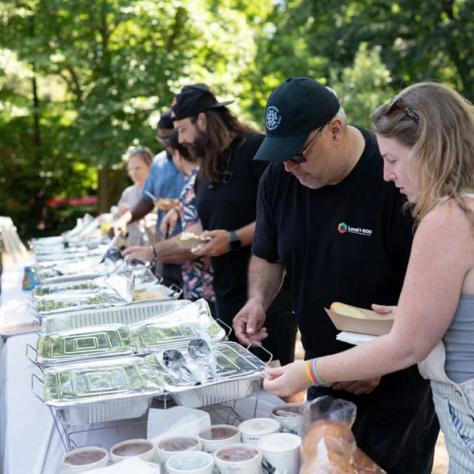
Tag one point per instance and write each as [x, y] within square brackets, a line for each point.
[196, 272]
[327, 218]
[162, 188]
[226, 191]
[139, 161]
[426, 138]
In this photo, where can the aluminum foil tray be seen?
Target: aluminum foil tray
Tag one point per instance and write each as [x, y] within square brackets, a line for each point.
[127, 314]
[220, 392]
[78, 286]
[100, 391]
[190, 322]
[73, 301]
[86, 343]
[238, 374]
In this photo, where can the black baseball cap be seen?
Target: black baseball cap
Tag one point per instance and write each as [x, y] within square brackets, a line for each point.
[194, 99]
[293, 110]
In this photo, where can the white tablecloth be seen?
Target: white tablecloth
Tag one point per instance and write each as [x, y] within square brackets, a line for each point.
[14, 311]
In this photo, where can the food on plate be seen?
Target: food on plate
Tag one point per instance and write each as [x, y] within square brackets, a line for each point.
[347, 310]
[144, 295]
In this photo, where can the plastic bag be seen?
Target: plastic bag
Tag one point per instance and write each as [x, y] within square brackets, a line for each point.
[329, 446]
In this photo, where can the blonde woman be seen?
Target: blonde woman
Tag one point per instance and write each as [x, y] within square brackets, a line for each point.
[426, 138]
[139, 161]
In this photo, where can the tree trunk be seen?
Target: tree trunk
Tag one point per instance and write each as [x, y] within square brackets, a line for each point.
[111, 183]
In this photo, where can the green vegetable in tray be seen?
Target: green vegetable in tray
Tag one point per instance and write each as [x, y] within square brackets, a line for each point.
[50, 289]
[55, 302]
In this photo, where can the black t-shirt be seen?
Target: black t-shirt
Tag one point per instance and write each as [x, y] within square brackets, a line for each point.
[348, 242]
[230, 205]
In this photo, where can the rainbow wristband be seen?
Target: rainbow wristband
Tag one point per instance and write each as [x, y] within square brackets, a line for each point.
[315, 373]
[309, 374]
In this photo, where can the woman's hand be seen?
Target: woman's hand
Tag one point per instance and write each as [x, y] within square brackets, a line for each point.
[382, 309]
[287, 380]
[168, 224]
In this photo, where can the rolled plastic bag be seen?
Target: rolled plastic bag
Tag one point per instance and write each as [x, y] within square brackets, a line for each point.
[329, 446]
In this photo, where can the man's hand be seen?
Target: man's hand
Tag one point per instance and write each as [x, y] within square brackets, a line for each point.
[145, 254]
[219, 243]
[168, 224]
[287, 380]
[248, 323]
[358, 387]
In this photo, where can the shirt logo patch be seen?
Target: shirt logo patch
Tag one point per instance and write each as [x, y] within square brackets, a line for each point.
[272, 118]
[343, 228]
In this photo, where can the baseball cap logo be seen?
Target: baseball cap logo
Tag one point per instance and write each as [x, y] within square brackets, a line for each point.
[272, 118]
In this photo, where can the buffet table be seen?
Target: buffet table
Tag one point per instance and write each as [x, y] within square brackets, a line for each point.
[30, 441]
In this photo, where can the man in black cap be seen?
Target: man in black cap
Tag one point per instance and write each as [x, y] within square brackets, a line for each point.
[327, 218]
[226, 193]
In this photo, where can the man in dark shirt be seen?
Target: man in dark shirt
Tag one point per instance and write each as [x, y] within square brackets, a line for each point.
[226, 193]
[325, 215]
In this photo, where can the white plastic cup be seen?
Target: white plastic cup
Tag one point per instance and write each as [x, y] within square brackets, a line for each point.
[190, 462]
[85, 459]
[141, 448]
[290, 417]
[218, 436]
[238, 459]
[252, 430]
[281, 453]
[171, 445]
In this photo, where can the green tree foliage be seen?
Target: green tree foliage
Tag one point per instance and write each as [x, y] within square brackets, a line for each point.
[104, 69]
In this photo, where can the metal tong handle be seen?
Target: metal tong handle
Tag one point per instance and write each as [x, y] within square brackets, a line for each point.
[260, 346]
[33, 377]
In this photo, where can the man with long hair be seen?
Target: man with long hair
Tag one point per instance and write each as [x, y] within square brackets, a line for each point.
[226, 191]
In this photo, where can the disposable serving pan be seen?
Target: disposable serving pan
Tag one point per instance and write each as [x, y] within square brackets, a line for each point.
[78, 287]
[238, 374]
[75, 301]
[100, 391]
[190, 322]
[83, 344]
[126, 314]
[143, 278]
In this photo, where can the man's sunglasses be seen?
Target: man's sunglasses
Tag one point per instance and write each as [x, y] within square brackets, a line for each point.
[163, 139]
[300, 157]
[398, 103]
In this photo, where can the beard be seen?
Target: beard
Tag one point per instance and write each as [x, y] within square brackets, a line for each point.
[198, 148]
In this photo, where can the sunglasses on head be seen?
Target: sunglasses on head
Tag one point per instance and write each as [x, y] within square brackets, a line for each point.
[300, 157]
[398, 103]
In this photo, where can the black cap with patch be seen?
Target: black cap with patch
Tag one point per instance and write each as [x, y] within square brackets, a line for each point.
[195, 99]
[294, 109]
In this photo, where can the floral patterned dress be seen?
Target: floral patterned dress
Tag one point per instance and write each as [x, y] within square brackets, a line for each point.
[197, 274]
